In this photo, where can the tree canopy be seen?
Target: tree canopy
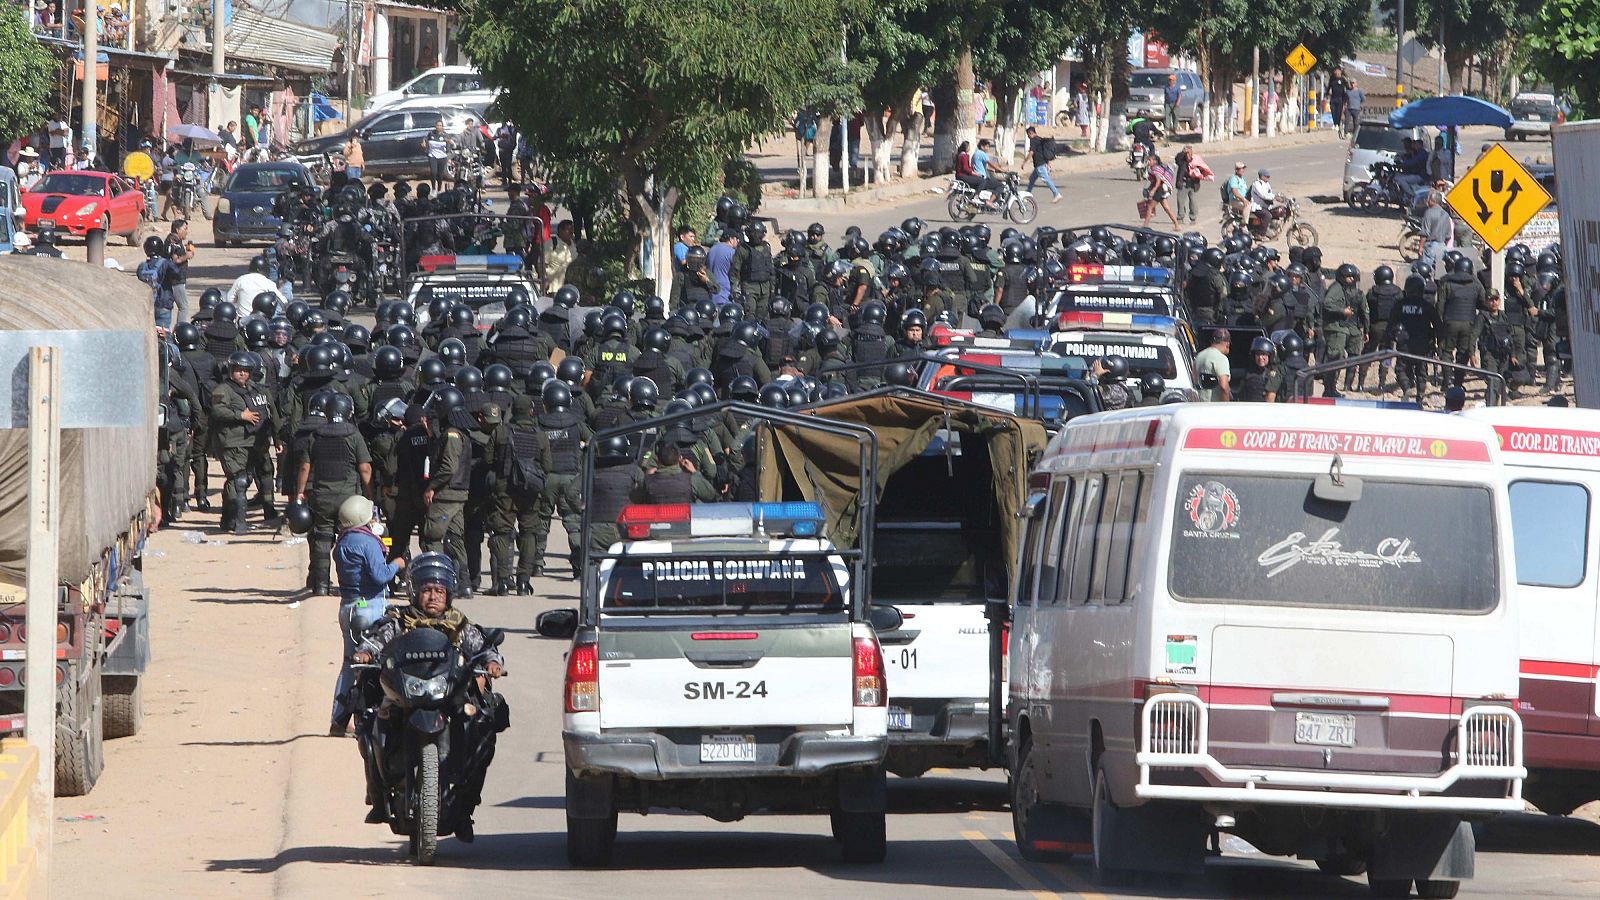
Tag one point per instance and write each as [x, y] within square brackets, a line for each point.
[27, 74]
[1563, 43]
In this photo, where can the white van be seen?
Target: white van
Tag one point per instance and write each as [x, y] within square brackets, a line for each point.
[1281, 622]
[1549, 460]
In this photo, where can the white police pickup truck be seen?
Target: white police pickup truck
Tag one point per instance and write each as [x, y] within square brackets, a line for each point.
[721, 664]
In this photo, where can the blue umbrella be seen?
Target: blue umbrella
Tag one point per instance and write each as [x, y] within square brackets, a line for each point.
[1449, 112]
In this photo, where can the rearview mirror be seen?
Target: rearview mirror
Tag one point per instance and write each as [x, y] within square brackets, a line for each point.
[494, 636]
[885, 618]
[557, 623]
[1337, 488]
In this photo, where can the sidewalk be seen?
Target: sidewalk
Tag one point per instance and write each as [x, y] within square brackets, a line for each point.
[779, 197]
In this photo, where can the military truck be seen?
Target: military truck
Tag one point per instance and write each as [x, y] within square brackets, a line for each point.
[108, 509]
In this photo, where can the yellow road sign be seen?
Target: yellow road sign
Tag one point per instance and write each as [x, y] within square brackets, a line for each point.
[1301, 60]
[1497, 197]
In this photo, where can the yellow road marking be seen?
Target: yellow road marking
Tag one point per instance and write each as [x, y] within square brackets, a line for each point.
[1022, 877]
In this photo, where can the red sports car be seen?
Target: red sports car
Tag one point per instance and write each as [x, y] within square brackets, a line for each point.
[77, 201]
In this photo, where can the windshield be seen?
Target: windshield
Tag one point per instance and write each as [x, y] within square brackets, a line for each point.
[1109, 298]
[785, 583]
[1141, 357]
[67, 183]
[1524, 105]
[1267, 540]
[268, 179]
[1379, 137]
[1148, 80]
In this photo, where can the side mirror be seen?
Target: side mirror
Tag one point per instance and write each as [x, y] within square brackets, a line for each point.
[494, 636]
[885, 618]
[557, 623]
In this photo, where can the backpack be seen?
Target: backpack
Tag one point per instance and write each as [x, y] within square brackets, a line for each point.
[524, 473]
[149, 271]
[1047, 151]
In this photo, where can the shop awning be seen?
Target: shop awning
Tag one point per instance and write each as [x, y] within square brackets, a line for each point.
[275, 42]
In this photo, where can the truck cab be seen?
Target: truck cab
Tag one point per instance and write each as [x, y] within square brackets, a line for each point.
[722, 663]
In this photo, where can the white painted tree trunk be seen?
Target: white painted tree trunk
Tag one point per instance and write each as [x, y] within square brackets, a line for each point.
[844, 153]
[910, 144]
[882, 147]
[819, 158]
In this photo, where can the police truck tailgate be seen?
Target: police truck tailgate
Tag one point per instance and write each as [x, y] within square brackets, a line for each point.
[725, 675]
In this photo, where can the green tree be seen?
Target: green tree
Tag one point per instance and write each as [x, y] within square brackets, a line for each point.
[27, 74]
[1471, 28]
[648, 98]
[1026, 38]
[1563, 43]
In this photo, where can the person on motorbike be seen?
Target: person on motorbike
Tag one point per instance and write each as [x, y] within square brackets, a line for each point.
[1261, 200]
[963, 164]
[985, 167]
[1236, 191]
[1145, 131]
[433, 585]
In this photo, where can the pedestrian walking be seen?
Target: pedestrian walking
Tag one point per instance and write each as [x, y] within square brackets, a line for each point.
[1041, 153]
[1158, 192]
[1352, 109]
[364, 577]
[1338, 96]
[1188, 171]
[1082, 112]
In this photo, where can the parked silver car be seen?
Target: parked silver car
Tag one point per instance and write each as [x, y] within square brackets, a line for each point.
[1532, 115]
[1147, 94]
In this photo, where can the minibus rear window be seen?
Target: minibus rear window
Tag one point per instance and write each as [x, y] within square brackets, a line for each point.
[1255, 539]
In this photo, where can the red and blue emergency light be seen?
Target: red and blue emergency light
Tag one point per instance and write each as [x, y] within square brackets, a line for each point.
[1095, 273]
[1117, 320]
[498, 262]
[684, 520]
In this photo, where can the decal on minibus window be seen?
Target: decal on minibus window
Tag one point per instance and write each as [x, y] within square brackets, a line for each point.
[1548, 440]
[1386, 551]
[1303, 440]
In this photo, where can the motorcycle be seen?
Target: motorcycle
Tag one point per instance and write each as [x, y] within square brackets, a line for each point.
[1282, 218]
[1139, 160]
[426, 724]
[1013, 203]
[1382, 190]
[187, 193]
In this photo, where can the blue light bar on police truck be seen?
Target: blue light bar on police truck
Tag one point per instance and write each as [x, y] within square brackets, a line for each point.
[497, 262]
[1092, 273]
[1026, 339]
[685, 520]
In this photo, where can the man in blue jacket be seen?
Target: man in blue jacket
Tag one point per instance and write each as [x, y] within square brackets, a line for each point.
[364, 577]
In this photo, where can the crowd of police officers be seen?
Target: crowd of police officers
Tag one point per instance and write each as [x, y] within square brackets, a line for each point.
[465, 437]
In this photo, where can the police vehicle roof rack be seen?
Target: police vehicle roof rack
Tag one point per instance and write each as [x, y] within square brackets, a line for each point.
[867, 451]
[1494, 397]
[406, 276]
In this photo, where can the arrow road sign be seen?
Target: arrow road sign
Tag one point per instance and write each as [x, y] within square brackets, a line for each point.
[1497, 197]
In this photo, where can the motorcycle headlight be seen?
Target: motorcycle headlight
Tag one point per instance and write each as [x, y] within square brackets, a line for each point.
[431, 688]
[86, 209]
[223, 205]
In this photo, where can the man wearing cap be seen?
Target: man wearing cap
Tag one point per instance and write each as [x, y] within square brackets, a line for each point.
[1261, 198]
[364, 577]
[1236, 191]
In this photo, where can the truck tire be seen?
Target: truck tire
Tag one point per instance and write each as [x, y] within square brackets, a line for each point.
[863, 836]
[1108, 849]
[80, 745]
[1026, 807]
[1437, 888]
[121, 705]
[589, 840]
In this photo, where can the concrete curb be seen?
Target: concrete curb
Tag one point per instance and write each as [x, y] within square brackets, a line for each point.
[1064, 165]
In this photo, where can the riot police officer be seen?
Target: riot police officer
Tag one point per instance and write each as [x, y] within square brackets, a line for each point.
[449, 477]
[1414, 328]
[1344, 315]
[242, 426]
[1383, 298]
[335, 466]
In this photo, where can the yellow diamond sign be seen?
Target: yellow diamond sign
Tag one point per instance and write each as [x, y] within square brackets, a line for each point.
[1497, 197]
[1301, 60]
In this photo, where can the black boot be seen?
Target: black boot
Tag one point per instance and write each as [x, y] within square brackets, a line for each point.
[498, 589]
[241, 514]
[202, 504]
[268, 511]
[524, 587]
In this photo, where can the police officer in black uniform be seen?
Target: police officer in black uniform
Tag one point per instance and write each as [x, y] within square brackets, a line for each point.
[1415, 326]
[336, 465]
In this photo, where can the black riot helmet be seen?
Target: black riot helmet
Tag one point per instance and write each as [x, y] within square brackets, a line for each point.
[388, 362]
[744, 388]
[498, 377]
[555, 395]
[1383, 275]
[311, 322]
[698, 375]
[462, 316]
[570, 371]
[431, 372]
[991, 316]
[1347, 274]
[656, 339]
[625, 301]
[318, 361]
[400, 336]
[357, 336]
[655, 309]
[1263, 345]
[337, 301]
[900, 373]
[469, 379]
[264, 304]
[817, 315]
[187, 336]
[1462, 265]
[1011, 253]
[453, 351]
[225, 312]
[642, 394]
[747, 334]
[567, 296]
[1116, 368]
[874, 312]
[773, 396]
[1151, 384]
[614, 449]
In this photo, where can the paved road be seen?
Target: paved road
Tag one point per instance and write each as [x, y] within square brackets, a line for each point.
[231, 788]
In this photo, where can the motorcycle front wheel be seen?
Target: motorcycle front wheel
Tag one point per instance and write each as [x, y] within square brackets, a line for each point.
[1302, 235]
[1410, 245]
[1022, 210]
[1139, 172]
[959, 208]
[426, 839]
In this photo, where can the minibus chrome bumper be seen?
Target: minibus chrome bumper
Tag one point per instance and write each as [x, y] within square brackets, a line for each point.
[1174, 734]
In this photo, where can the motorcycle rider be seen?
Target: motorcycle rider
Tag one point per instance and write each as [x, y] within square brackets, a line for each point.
[364, 577]
[1261, 199]
[433, 586]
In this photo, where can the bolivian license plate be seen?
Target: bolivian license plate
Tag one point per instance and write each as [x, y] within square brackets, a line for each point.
[899, 719]
[1324, 730]
[733, 748]
[46, 223]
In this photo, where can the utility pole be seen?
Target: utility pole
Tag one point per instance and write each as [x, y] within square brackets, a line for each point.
[1399, 55]
[350, 58]
[1441, 56]
[44, 533]
[1255, 91]
[218, 66]
[91, 80]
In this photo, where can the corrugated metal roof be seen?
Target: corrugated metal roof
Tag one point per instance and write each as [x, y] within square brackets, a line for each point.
[263, 39]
